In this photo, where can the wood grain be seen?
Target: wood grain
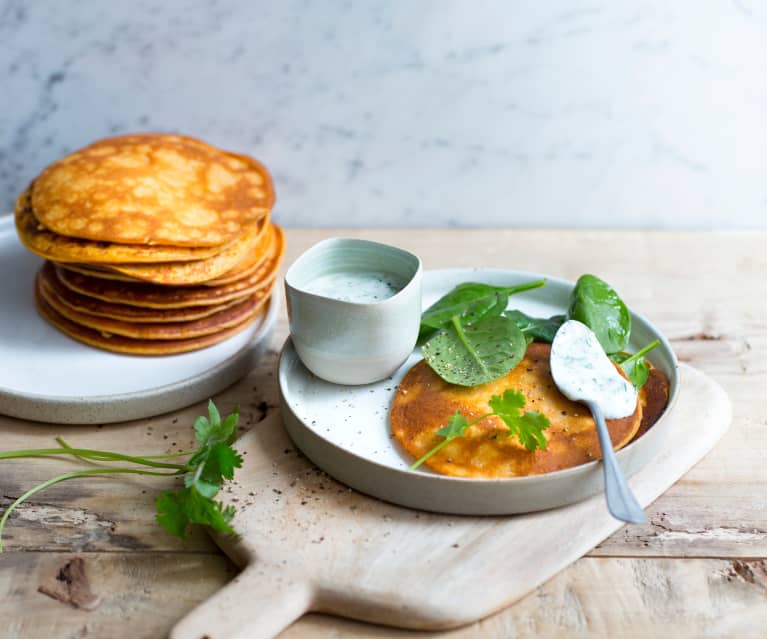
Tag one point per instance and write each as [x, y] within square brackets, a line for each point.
[706, 537]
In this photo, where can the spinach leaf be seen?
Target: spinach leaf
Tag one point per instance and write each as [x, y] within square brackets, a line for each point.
[536, 328]
[598, 306]
[472, 354]
[472, 302]
[635, 366]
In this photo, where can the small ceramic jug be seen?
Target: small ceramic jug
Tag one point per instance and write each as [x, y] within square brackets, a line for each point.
[343, 335]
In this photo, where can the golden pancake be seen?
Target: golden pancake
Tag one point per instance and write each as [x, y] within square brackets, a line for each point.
[424, 402]
[162, 297]
[60, 248]
[244, 269]
[127, 345]
[124, 312]
[256, 238]
[255, 263]
[223, 319]
[153, 188]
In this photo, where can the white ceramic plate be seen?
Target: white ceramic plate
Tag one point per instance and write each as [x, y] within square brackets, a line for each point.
[47, 376]
[345, 430]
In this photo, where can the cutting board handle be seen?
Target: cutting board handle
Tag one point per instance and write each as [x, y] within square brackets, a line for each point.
[261, 601]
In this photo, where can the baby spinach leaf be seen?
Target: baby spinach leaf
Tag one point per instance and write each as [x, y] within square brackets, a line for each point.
[635, 366]
[596, 304]
[472, 302]
[473, 354]
[536, 328]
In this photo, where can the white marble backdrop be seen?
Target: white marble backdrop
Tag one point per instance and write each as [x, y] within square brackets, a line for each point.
[416, 112]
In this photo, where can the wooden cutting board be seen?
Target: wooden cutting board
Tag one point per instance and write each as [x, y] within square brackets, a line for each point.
[309, 543]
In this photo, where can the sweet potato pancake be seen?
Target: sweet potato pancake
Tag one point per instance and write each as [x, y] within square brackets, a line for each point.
[157, 243]
[255, 238]
[125, 312]
[152, 189]
[424, 402]
[119, 344]
[226, 317]
[61, 248]
[146, 295]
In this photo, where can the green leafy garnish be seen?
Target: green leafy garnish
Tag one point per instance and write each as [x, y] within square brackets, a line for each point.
[465, 338]
[528, 427]
[472, 302]
[539, 329]
[596, 304]
[635, 366]
[473, 354]
[204, 474]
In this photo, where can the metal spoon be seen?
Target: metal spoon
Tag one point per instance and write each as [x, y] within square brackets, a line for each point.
[583, 373]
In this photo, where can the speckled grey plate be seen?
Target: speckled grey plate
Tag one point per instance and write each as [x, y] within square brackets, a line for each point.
[345, 430]
[47, 376]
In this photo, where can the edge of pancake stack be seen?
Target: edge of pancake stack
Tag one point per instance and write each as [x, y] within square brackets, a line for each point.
[154, 243]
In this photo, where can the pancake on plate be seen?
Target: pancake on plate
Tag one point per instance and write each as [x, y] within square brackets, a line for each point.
[224, 317]
[152, 189]
[147, 295]
[424, 402]
[157, 243]
[62, 248]
[127, 345]
[254, 239]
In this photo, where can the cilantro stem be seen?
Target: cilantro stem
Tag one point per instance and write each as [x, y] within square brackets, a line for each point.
[641, 353]
[444, 442]
[73, 475]
[87, 453]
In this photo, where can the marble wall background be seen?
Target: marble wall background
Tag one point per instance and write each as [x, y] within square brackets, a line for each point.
[416, 113]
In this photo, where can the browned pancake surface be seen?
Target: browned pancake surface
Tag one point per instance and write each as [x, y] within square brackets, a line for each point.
[161, 297]
[131, 346]
[424, 402]
[61, 248]
[153, 188]
[254, 238]
[124, 312]
[226, 317]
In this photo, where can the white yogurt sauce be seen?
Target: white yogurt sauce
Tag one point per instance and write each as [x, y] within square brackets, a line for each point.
[364, 287]
[583, 372]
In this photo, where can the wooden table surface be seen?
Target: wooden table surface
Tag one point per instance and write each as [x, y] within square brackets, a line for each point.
[695, 570]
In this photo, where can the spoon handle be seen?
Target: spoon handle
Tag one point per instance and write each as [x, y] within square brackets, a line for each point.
[620, 500]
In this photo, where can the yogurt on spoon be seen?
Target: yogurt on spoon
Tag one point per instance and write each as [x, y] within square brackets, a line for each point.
[583, 373]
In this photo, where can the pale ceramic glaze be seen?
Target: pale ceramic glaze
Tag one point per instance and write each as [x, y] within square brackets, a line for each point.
[346, 431]
[49, 377]
[347, 342]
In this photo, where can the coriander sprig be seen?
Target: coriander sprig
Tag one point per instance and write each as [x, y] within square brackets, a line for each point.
[528, 427]
[208, 466]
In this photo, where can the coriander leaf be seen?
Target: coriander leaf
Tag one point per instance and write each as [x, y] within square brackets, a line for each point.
[477, 353]
[171, 513]
[596, 304]
[472, 302]
[221, 462]
[202, 429]
[528, 427]
[205, 488]
[213, 414]
[455, 427]
[536, 328]
[176, 509]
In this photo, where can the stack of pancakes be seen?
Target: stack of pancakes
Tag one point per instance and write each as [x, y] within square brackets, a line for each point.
[155, 243]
